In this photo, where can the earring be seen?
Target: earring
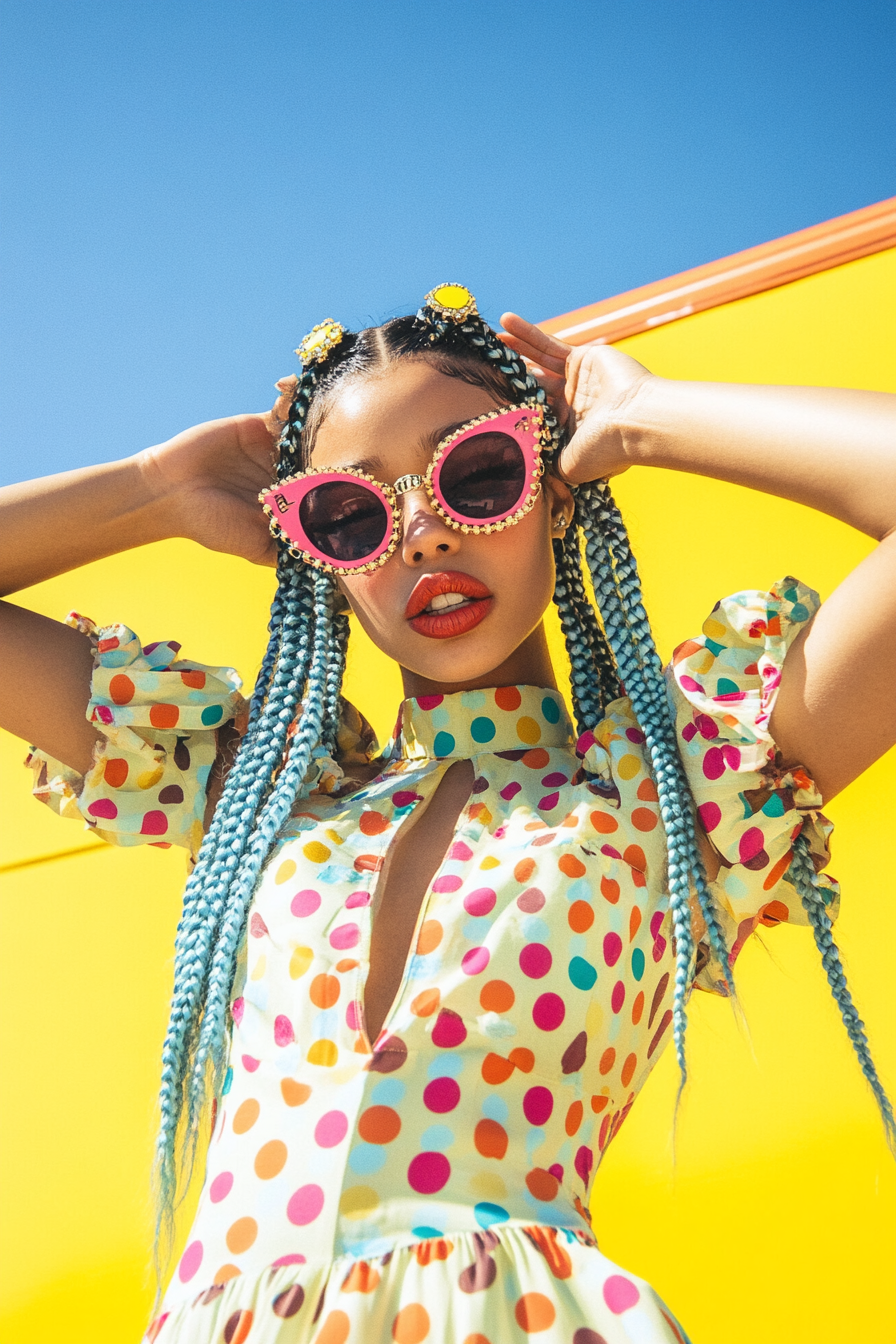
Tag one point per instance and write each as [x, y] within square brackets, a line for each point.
[559, 523]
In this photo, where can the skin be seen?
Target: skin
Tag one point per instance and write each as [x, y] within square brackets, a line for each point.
[829, 449]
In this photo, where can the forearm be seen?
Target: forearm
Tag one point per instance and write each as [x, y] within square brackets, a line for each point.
[831, 449]
[54, 524]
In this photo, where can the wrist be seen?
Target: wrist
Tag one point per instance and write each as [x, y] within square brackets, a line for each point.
[642, 421]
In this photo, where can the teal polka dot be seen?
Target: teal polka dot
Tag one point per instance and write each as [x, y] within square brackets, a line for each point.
[367, 1158]
[582, 973]
[482, 729]
[212, 714]
[775, 806]
[425, 1233]
[727, 687]
[439, 718]
[637, 963]
[437, 1138]
[714, 646]
[550, 709]
[495, 1108]
[798, 612]
[389, 1092]
[228, 1082]
[443, 744]
[486, 1214]
[473, 699]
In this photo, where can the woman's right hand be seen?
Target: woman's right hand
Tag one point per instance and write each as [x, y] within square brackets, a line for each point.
[207, 480]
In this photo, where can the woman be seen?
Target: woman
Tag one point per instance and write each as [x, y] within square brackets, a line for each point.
[420, 990]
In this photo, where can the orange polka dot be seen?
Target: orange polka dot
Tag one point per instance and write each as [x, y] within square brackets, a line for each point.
[121, 689]
[604, 823]
[628, 1069]
[411, 1325]
[241, 1235]
[635, 856]
[572, 866]
[294, 1094]
[490, 1139]
[644, 819]
[496, 997]
[647, 791]
[379, 1124]
[574, 1117]
[580, 916]
[634, 922]
[194, 679]
[429, 937]
[164, 716]
[373, 823]
[346, 964]
[115, 772]
[246, 1116]
[508, 697]
[225, 1274]
[571, 820]
[536, 759]
[542, 1185]
[361, 1278]
[477, 1339]
[775, 912]
[236, 1331]
[607, 1059]
[522, 1059]
[335, 1329]
[599, 1103]
[270, 1160]
[324, 991]
[426, 1003]
[609, 889]
[496, 1069]
[534, 1312]
[638, 1007]
[524, 870]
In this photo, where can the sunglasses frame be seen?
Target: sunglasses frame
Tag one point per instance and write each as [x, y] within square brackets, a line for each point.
[389, 495]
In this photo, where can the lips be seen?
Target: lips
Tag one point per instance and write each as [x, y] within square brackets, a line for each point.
[453, 620]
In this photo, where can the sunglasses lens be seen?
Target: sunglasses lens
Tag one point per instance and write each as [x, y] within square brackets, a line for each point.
[484, 476]
[344, 520]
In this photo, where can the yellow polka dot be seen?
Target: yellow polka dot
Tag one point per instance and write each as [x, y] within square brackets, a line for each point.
[627, 767]
[299, 962]
[702, 664]
[147, 778]
[358, 1201]
[333, 837]
[285, 871]
[714, 629]
[527, 730]
[488, 1185]
[259, 968]
[323, 1053]
[490, 862]
[316, 852]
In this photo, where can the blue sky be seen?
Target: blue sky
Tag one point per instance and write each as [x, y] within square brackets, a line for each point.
[189, 185]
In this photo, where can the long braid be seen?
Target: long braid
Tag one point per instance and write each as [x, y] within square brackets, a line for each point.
[587, 700]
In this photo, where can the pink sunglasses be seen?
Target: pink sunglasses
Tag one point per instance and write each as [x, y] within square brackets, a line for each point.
[483, 477]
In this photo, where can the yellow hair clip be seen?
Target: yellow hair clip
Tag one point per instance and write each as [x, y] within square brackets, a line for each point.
[452, 301]
[320, 341]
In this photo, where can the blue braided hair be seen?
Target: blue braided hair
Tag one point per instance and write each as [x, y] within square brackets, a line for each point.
[294, 717]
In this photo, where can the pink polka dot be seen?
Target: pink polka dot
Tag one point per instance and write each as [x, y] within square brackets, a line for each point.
[105, 810]
[475, 961]
[237, 1008]
[538, 1103]
[530, 901]
[305, 903]
[548, 1012]
[585, 743]
[220, 1187]
[750, 844]
[352, 1017]
[448, 882]
[617, 998]
[190, 1261]
[480, 902]
[250, 1064]
[714, 763]
[548, 802]
[449, 1029]
[330, 1129]
[404, 797]
[441, 1095]
[428, 1172]
[710, 816]
[347, 935]
[620, 1294]
[635, 735]
[584, 1161]
[510, 791]
[461, 851]
[554, 780]
[293, 1259]
[357, 898]
[612, 948]
[535, 960]
[429, 702]
[283, 1030]
[305, 1205]
[154, 823]
[689, 684]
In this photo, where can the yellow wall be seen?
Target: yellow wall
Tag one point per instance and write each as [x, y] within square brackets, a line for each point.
[777, 1223]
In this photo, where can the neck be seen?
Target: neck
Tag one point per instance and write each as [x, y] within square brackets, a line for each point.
[528, 665]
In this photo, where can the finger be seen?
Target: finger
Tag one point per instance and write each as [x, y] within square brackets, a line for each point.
[544, 347]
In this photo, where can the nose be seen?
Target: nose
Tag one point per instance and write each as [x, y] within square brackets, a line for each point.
[424, 537]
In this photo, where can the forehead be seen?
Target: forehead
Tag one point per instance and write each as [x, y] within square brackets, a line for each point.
[393, 415]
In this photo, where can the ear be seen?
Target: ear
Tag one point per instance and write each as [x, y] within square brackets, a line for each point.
[560, 502]
[342, 605]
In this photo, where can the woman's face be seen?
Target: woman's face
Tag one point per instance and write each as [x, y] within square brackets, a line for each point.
[389, 425]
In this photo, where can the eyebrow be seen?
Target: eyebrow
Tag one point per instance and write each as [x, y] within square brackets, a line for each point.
[373, 466]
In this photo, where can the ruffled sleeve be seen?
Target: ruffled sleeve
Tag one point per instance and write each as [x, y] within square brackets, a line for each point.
[723, 687]
[158, 717]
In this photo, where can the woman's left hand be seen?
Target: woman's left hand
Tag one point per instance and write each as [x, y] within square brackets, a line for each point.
[590, 388]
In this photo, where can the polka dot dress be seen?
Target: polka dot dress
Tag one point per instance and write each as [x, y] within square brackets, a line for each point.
[432, 1185]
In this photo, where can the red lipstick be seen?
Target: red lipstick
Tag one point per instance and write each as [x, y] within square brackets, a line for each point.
[450, 619]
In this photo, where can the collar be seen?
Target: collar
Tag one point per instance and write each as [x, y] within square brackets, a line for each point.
[467, 723]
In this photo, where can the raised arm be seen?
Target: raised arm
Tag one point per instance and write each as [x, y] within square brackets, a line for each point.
[831, 449]
[202, 484]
